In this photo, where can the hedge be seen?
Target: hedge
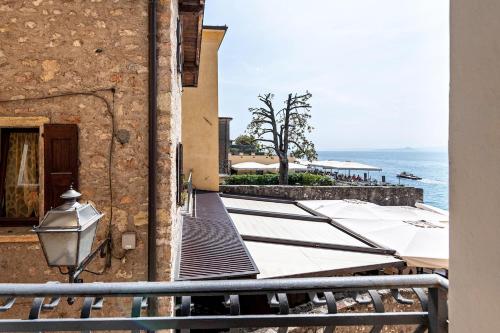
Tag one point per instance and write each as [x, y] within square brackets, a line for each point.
[308, 179]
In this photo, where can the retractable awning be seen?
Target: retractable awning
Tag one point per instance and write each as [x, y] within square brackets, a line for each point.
[286, 239]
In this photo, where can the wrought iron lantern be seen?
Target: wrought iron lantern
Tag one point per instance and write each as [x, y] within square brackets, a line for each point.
[67, 234]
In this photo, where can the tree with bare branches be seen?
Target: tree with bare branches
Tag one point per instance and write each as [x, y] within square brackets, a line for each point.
[283, 131]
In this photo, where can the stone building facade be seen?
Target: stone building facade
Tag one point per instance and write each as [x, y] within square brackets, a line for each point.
[86, 63]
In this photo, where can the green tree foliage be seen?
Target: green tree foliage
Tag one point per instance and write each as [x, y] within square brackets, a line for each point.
[245, 139]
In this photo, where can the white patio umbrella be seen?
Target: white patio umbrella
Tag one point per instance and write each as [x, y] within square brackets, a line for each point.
[343, 208]
[250, 166]
[420, 243]
[409, 213]
[291, 166]
[356, 209]
[303, 162]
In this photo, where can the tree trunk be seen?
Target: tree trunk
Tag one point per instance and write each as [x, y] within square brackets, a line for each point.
[283, 179]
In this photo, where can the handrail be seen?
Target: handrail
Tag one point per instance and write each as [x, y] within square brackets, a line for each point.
[218, 287]
[429, 289]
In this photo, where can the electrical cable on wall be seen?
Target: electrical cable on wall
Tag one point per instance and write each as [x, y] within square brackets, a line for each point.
[110, 111]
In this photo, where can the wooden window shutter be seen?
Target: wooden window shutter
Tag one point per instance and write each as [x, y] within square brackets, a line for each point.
[60, 161]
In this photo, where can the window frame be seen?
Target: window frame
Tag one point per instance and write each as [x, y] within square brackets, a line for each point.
[25, 221]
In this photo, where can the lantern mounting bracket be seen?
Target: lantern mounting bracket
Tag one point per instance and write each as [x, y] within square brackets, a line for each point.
[104, 250]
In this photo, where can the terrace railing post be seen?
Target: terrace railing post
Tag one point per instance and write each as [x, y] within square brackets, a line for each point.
[438, 310]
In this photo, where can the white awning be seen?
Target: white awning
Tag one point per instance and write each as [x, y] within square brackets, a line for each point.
[303, 162]
[291, 166]
[264, 206]
[347, 165]
[250, 166]
[285, 240]
[300, 230]
[277, 260]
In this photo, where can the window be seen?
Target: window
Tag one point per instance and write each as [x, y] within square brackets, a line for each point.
[19, 176]
[20, 171]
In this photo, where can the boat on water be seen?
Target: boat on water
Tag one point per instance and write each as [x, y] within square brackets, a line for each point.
[407, 175]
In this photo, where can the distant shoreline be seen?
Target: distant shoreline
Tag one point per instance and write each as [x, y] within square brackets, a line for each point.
[427, 150]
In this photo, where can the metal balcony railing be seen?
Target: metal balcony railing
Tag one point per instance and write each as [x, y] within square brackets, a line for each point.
[431, 290]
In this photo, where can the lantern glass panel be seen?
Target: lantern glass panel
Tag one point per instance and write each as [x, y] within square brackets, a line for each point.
[60, 247]
[86, 239]
[60, 219]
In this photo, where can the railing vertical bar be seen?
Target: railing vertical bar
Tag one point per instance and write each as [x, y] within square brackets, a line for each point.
[234, 309]
[87, 309]
[138, 303]
[438, 311]
[36, 307]
[331, 304]
[424, 304]
[379, 308]
[284, 309]
[185, 310]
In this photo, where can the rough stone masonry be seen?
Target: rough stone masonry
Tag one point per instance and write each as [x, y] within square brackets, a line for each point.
[380, 195]
[53, 53]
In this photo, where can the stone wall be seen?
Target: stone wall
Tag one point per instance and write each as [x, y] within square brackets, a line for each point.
[86, 62]
[381, 195]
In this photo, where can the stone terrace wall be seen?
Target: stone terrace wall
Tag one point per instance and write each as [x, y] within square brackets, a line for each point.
[381, 195]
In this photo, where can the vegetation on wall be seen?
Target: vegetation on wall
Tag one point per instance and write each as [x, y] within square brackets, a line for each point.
[306, 179]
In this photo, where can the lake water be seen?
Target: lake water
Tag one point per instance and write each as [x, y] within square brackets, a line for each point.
[432, 166]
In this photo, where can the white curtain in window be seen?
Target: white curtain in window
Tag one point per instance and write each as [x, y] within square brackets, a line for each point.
[21, 181]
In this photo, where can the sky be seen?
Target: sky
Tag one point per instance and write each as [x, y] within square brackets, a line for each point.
[378, 70]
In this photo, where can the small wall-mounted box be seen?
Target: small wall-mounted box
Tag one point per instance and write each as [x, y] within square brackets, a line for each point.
[128, 240]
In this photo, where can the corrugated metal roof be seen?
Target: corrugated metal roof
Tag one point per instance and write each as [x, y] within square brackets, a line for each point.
[211, 246]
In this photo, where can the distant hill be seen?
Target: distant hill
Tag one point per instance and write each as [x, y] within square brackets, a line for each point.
[403, 149]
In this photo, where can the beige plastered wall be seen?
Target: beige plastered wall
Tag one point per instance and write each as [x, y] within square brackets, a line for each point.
[474, 166]
[200, 117]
